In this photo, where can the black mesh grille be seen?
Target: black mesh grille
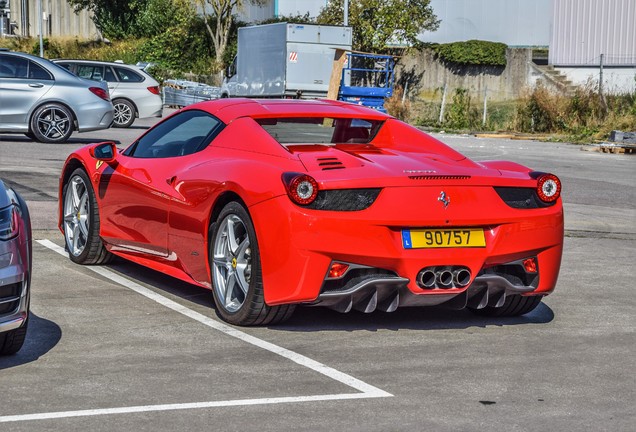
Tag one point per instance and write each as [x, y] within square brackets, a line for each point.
[344, 199]
[8, 292]
[521, 198]
[439, 177]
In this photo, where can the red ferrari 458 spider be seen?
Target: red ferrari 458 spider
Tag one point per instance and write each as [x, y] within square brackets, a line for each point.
[275, 203]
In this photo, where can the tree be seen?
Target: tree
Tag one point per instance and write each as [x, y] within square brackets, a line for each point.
[223, 18]
[115, 19]
[377, 24]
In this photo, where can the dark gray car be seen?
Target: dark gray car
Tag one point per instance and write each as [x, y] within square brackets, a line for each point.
[15, 269]
[47, 102]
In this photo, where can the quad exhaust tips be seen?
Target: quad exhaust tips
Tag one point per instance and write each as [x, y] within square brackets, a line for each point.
[443, 277]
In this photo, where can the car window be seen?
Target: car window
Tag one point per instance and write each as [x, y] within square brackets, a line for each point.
[321, 130]
[66, 66]
[183, 134]
[127, 75]
[109, 75]
[14, 67]
[92, 72]
[38, 72]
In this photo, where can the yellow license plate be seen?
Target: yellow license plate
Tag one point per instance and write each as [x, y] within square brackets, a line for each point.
[443, 238]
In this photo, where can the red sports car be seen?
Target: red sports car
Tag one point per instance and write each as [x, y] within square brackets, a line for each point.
[275, 203]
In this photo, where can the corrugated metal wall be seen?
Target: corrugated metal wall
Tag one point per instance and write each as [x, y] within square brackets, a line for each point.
[58, 19]
[585, 29]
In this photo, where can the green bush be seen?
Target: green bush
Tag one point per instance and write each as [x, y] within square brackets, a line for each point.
[472, 52]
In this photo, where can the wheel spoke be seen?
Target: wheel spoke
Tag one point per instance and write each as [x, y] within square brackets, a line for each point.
[230, 283]
[75, 238]
[241, 279]
[231, 237]
[76, 198]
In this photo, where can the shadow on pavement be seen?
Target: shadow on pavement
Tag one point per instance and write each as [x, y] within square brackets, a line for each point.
[41, 337]
[308, 319]
[72, 140]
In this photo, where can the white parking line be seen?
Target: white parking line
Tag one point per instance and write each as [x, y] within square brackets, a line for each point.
[366, 390]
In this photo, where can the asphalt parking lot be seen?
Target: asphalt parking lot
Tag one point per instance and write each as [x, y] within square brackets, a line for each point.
[120, 347]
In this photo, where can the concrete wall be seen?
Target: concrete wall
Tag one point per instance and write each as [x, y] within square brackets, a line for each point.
[424, 76]
[616, 80]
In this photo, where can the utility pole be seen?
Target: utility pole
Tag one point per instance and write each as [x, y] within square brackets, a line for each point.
[40, 27]
[600, 86]
[441, 111]
[483, 120]
[346, 13]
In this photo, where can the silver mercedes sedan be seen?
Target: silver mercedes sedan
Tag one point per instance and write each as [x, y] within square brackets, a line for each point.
[15, 269]
[47, 102]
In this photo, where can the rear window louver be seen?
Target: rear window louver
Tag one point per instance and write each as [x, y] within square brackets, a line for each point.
[329, 163]
[439, 177]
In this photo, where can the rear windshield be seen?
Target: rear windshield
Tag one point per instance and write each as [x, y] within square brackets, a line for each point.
[321, 130]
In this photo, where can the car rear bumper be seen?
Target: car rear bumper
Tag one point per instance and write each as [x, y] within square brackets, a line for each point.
[296, 255]
[94, 116]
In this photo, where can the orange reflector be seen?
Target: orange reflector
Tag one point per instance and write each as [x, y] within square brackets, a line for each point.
[337, 270]
[530, 264]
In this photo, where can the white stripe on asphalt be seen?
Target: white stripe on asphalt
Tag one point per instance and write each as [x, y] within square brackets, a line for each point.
[367, 390]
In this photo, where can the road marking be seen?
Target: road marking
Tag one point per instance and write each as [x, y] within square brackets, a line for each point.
[366, 390]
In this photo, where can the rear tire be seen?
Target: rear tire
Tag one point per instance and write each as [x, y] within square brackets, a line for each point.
[12, 341]
[515, 305]
[52, 123]
[124, 113]
[236, 271]
[81, 221]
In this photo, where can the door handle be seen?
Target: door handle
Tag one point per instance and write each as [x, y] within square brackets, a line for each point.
[171, 180]
[36, 85]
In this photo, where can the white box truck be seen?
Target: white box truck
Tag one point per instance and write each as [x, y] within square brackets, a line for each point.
[284, 60]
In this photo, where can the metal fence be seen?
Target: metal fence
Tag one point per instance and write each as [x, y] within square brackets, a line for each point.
[183, 93]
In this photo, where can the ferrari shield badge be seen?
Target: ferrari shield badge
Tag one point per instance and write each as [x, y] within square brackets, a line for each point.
[98, 164]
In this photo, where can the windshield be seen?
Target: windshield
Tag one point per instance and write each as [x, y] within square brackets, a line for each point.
[321, 130]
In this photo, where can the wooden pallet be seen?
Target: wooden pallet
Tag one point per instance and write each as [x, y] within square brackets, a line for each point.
[617, 148]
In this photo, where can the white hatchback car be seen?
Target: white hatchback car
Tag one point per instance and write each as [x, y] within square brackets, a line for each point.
[134, 93]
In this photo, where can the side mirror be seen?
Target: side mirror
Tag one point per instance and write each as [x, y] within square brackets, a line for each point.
[106, 151]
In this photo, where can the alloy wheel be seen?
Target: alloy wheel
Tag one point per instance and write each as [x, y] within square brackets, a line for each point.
[53, 123]
[232, 263]
[123, 113]
[76, 215]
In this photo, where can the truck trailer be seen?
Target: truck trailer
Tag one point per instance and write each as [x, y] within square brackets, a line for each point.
[284, 60]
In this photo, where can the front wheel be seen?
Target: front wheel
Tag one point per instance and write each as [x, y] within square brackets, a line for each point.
[51, 123]
[81, 221]
[236, 271]
[514, 305]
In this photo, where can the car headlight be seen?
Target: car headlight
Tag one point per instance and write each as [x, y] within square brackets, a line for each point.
[9, 225]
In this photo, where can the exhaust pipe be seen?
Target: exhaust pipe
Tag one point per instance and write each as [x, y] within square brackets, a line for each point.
[461, 277]
[426, 279]
[444, 278]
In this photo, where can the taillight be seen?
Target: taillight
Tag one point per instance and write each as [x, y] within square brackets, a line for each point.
[100, 92]
[548, 187]
[301, 188]
[154, 90]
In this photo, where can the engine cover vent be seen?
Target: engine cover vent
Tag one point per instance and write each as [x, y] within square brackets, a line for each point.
[439, 177]
[329, 163]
